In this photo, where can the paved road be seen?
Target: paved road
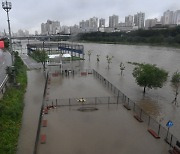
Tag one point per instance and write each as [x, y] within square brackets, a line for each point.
[5, 60]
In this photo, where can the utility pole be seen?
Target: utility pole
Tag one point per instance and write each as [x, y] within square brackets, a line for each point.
[7, 7]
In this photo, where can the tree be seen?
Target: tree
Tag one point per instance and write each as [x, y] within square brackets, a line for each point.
[109, 60]
[41, 56]
[98, 59]
[122, 67]
[89, 54]
[175, 81]
[148, 75]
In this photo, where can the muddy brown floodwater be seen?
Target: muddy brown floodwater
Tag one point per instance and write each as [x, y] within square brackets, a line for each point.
[157, 102]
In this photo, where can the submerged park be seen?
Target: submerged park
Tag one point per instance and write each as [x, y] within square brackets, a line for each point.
[60, 94]
[114, 113]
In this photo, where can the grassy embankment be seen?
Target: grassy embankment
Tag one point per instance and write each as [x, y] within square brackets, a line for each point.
[11, 109]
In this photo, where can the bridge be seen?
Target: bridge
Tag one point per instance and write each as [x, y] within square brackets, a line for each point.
[42, 37]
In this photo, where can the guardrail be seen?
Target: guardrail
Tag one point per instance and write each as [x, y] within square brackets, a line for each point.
[40, 116]
[3, 84]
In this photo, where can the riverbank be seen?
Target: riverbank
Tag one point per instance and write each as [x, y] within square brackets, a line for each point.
[11, 108]
[128, 43]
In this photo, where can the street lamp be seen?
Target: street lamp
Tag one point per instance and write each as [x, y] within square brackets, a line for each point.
[7, 7]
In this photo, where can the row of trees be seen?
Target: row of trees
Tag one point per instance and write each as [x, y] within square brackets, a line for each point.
[148, 75]
[169, 36]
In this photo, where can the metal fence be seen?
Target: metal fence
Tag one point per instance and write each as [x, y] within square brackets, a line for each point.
[87, 101]
[137, 111]
[3, 85]
[40, 116]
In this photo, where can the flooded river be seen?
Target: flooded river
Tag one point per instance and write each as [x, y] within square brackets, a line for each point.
[157, 102]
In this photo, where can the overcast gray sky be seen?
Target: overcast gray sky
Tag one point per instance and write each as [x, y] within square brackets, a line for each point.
[29, 14]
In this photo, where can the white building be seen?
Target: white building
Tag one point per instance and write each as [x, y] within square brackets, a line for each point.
[113, 21]
[139, 20]
[101, 22]
[150, 23]
[129, 20]
[90, 25]
[93, 24]
[167, 18]
[176, 17]
[50, 27]
[74, 29]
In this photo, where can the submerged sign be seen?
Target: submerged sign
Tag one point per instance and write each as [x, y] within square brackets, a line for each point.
[169, 124]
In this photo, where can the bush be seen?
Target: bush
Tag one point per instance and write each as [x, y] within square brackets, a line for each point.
[11, 108]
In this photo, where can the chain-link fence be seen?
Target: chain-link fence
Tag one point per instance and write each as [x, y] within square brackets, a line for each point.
[140, 114]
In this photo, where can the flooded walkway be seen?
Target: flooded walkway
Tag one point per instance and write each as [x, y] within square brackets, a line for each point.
[110, 129]
[32, 105]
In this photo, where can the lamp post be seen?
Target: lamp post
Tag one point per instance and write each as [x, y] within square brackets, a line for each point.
[7, 7]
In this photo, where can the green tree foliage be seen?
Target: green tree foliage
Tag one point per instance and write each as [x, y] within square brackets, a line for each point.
[175, 81]
[166, 36]
[40, 56]
[150, 76]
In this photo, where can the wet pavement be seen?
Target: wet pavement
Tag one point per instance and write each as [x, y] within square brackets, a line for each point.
[32, 105]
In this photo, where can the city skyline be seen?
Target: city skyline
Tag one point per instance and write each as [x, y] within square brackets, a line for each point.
[22, 18]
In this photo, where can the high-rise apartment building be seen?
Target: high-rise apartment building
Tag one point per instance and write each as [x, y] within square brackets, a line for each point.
[176, 17]
[113, 21]
[167, 18]
[89, 25]
[50, 27]
[150, 23]
[129, 20]
[101, 22]
[82, 24]
[139, 20]
[93, 22]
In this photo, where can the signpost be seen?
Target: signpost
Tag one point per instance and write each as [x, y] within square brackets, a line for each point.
[169, 125]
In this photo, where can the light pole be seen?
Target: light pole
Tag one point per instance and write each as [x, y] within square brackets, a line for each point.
[7, 7]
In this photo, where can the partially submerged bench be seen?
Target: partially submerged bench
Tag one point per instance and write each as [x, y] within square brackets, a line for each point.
[175, 150]
[43, 139]
[127, 107]
[44, 123]
[153, 133]
[138, 118]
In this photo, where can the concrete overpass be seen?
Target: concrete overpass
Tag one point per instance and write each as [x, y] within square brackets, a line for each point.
[42, 37]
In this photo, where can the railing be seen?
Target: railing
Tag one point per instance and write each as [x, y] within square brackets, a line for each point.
[40, 117]
[87, 101]
[3, 84]
[142, 115]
